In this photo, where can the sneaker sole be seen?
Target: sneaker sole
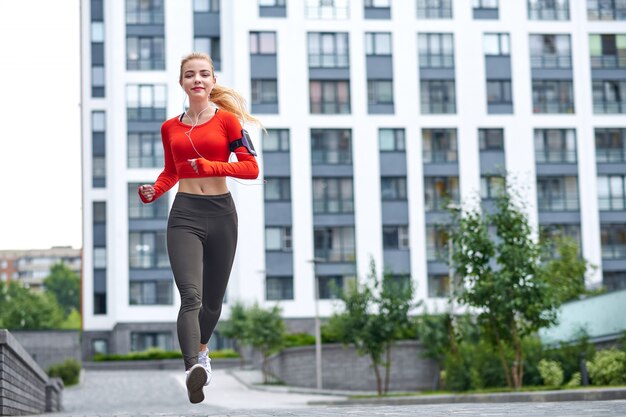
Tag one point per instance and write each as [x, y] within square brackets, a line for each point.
[195, 383]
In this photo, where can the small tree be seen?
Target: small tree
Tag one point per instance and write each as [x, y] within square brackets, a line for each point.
[64, 285]
[22, 309]
[504, 279]
[235, 329]
[265, 331]
[375, 315]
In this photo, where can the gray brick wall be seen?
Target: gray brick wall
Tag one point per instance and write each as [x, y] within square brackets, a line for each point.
[22, 381]
[343, 369]
[49, 347]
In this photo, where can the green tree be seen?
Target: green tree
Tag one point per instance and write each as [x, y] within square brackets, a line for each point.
[64, 284]
[236, 328]
[435, 332]
[566, 271]
[265, 331]
[21, 309]
[375, 315]
[504, 279]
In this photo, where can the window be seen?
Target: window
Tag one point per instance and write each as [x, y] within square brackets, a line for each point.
[335, 244]
[210, 45]
[145, 150]
[331, 287]
[263, 43]
[499, 92]
[145, 53]
[333, 195]
[395, 237]
[607, 51]
[264, 92]
[379, 92]
[277, 189]
[279, 288]
[557, 193]
[98, 149]
[329, 97]
[491, 139]
[147, 250]
[276, 140]
[100, 346]
[146, 102]
[611, 195]
[608, 96]
[440, 191]
[555, 145]
[378, 43]
[328, 50]
[436, 243]
[550, 51]
[278, 238]
[491, 186]
[485, 4]
[614, 280]
[553, 96]
[434, 9]
[140, 341]
[496, 44]
[137, 210]
[99, 258]
[438, 285]
[439, 145]
[393, 188]
[206, 6]
[610, 145]
[150, 293]
[438, 97]
[613, 238]
[436, 50]
[606, 9]
[145, 12]
[377, 3]
[331, 146]
[327, 9]
[391, 140]
[550, 232]
[97, 48]
[548, 9]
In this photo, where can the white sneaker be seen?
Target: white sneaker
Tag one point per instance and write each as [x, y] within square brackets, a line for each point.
[205, 361]
[196, 377]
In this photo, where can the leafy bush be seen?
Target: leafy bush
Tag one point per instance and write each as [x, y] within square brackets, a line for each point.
[156, 353]
[608, 367]
[68, 371]
[575, 382]
[298, 339]
[551, 373]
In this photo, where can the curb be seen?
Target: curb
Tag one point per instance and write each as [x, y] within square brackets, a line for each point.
[599, 394]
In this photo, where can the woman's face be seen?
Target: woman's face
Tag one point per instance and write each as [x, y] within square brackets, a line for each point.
[198, 78]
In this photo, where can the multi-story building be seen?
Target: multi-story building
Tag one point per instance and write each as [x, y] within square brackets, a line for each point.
[30, 267]
[379, 113]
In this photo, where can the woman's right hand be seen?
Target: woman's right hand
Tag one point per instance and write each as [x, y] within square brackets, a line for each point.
[147, 191]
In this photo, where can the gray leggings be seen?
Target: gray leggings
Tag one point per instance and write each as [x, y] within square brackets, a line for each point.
[201, 243]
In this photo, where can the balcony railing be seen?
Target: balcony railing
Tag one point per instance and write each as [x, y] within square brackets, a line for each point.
[558, 203]
[332, 157]
[609, 107]
[333, 206]
[440, 156]
[551, 61]
[610, 155]
[608, 61]
[329, 60]
[617, 203]
[555, 157]
[327, 12]
[336, 254]
[553, 107]
[434, 12]
[614, 251]
[436, 61]
[557, 13]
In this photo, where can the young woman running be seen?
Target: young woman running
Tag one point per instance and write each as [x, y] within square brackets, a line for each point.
[202, 224]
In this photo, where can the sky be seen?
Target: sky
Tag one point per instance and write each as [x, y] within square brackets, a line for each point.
[40, 167]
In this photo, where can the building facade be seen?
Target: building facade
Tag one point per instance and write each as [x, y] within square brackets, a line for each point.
[379, 113]
[30, 267]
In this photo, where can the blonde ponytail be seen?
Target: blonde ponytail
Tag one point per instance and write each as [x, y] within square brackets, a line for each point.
[224, 97]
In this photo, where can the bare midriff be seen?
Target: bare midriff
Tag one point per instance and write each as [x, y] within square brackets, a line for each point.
[203, 186]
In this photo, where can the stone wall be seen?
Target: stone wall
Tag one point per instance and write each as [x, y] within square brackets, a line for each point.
[49, 347]
[343, 369]
[22, 381]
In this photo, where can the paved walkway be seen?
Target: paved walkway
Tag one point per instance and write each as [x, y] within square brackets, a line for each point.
[162, 393]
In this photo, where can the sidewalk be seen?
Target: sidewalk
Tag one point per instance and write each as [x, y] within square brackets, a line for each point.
[253, 380]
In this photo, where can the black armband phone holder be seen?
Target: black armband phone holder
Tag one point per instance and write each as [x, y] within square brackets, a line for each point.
[244, 141]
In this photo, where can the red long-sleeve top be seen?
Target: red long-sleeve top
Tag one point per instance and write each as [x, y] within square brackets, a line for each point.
[212, 140]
